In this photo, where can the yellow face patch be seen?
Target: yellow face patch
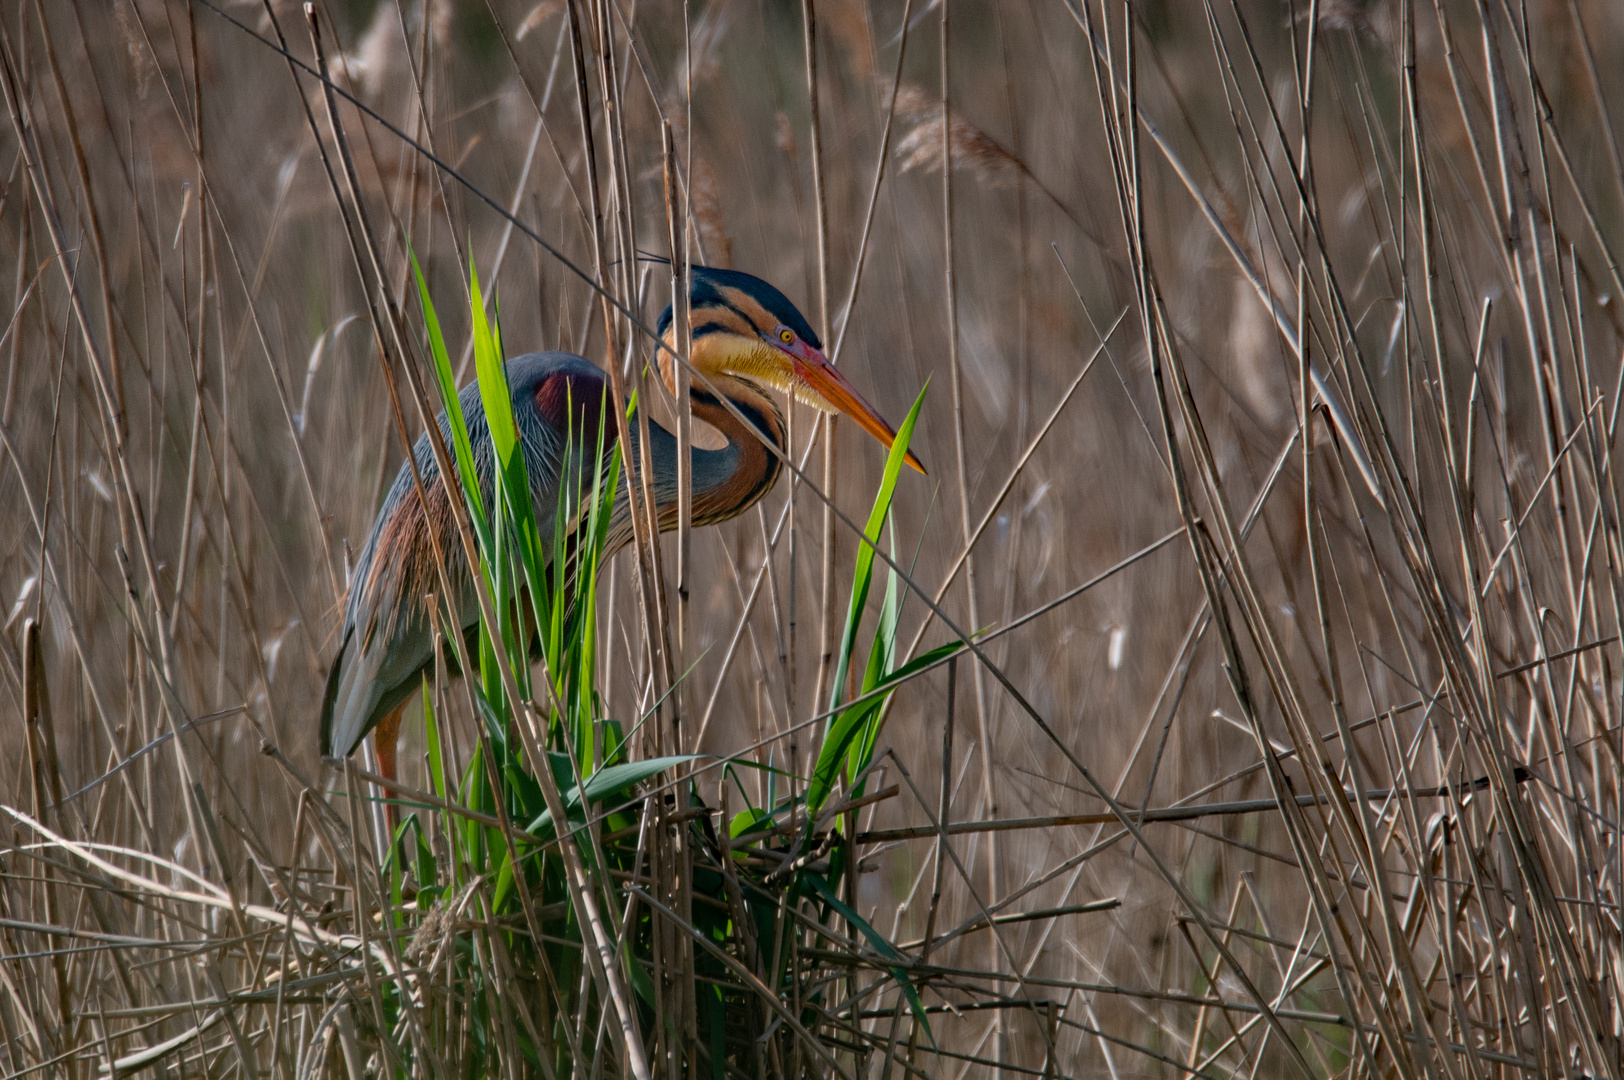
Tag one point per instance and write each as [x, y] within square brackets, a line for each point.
[757, 362]
[747, 357]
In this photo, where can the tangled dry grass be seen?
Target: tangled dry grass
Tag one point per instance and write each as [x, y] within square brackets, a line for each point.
[1275, 366]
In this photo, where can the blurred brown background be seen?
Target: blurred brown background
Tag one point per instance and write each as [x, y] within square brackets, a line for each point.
[205, 438]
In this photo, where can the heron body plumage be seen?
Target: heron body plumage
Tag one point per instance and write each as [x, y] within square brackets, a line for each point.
[387, 639]
[749, 345]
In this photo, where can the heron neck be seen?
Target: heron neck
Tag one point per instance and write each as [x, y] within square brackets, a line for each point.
[728, 481]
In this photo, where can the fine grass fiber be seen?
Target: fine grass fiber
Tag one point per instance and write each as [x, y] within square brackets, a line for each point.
[1235, 697]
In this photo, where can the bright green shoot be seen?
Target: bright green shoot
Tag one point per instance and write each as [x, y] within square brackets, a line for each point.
[850, 736]
[545, 589]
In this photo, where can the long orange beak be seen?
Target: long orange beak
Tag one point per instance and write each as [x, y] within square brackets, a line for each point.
[813, 368]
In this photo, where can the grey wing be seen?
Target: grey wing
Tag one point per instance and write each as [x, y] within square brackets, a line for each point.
[387, 639]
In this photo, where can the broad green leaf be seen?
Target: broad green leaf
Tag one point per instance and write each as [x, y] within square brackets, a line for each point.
[616, 778]
[881, 655]
[918, 664]
[431, 738]
[837, 739]
[453, 406]
[493, 387]
[504, 878]
[881, 946]
[426, 866]
[606, 782]
[749, 821]
[839, 735]
[865, 552]
[847, 726]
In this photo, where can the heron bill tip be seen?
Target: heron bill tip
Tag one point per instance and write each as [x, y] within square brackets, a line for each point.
[826, 380]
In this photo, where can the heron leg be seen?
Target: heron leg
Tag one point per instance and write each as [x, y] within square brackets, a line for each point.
[384, 738]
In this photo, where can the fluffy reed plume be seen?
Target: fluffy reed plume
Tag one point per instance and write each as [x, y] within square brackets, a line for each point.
[705, 191]
[1347, 15]
[920, 146]
[535, 17]
[140, 59]
[707, 196]
[784, 137]
[974, 151]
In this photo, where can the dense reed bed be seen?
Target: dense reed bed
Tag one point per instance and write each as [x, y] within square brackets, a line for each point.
[1236, 696]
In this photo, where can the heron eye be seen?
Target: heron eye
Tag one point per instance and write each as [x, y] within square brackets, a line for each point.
[786, 335]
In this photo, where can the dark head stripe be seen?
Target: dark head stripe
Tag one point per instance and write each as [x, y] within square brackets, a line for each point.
[710, 289]
[724, 317]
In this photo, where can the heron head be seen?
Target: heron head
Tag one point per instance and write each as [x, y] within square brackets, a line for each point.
[748, 332]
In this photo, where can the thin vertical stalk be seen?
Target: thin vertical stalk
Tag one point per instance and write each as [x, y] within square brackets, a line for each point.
[681, 340]
[681, 337]
[825, 427]
[989, 789]
[113, 417]
[600, 272]
[874, 188]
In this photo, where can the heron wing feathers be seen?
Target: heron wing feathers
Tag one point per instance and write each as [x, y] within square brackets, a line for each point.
[387, 640]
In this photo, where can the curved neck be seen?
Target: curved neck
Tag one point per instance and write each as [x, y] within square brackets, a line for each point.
[728, 481]
[754, 468]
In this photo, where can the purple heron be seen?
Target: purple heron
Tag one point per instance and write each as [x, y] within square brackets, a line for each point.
[752, 345]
